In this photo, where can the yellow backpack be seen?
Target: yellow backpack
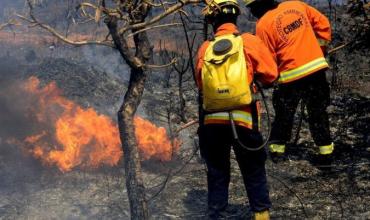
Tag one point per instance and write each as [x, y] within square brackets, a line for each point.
[224, 75]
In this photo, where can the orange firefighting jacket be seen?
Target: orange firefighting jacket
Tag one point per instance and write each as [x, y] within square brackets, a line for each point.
[258, 59]
[294, 32]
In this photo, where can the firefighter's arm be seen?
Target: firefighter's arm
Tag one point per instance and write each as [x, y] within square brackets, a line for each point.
[262, 60]
[321, 26]
[199, 63]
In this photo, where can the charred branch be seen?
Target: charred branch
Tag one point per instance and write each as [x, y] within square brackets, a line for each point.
[8, 24]
[159, 17]
[121, 44]
[153, 27]
[35, 22]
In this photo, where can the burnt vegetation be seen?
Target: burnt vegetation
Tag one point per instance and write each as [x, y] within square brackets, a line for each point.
[143, 50]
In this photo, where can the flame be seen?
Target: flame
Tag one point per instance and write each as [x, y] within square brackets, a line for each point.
[151, 139]
[82, 137]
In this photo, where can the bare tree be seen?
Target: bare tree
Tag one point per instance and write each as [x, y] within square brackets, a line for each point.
[121, 18]
[181, 68]
[184, 69]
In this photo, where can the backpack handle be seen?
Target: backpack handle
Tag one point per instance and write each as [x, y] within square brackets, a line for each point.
[221, 61]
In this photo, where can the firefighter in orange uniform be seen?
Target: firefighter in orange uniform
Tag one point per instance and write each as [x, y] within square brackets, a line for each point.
[215, 132]
[297, 35]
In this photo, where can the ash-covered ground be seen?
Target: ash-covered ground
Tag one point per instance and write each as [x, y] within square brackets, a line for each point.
[299, 190]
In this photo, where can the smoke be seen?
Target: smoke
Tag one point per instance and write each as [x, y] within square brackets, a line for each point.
[17, 169]
[107, 60]
[13, 103]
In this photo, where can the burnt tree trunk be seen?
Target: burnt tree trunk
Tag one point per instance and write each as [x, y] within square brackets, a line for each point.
[134, 181]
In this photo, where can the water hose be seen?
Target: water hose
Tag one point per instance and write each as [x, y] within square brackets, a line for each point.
[235, 133]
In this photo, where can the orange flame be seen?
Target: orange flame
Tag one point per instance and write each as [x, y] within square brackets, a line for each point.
[82, 137]
[152, 139]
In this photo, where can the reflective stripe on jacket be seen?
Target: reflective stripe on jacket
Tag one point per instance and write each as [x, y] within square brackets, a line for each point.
[303, 70]
[259, 61]
[293, 32]
[242, 118]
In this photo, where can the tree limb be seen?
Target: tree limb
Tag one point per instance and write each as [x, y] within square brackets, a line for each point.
[3, 25]
[337, 48]
[155, 19]
[121, 44]
[190, 123]
[51, 30]
[173, 61]
[158, 4]
[35, 22]
[153, 27]
[9, 23]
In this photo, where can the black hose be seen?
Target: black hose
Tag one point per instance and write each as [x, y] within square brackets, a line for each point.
[233, 127]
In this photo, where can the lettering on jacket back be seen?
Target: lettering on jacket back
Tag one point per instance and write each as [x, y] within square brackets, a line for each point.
[289, 22]
[293, 26]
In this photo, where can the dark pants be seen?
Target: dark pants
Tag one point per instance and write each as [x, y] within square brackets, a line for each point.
[215, 145]
[314, 91]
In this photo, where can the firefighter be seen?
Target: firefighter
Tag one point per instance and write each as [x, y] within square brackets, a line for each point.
[297, 35]
[215, 131]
